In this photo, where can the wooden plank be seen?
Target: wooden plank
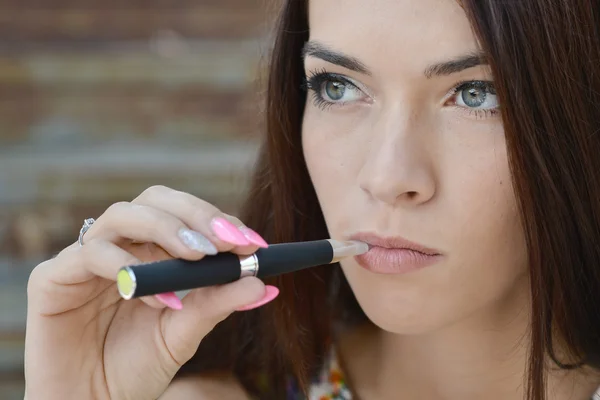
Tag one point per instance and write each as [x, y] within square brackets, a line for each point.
[85, 173]
[92, 5]
[227, 64]
[99, 113]
[12, 339]
[56, 131]
[12, 347]
[102, 23]
[11, 388]
[75, 161]
[127, 99]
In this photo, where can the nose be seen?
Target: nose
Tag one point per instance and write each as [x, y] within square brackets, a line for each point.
[398, 168]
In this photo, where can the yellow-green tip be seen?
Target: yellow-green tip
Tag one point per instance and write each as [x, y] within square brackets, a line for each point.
[126, 283]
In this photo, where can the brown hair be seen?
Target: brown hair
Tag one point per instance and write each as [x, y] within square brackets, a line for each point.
[545, 58]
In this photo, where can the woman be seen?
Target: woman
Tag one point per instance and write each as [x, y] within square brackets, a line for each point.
[460, 140]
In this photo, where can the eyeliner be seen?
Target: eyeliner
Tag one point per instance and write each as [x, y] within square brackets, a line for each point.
[177, 274]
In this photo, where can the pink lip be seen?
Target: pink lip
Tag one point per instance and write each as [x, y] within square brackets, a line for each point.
[394, 255]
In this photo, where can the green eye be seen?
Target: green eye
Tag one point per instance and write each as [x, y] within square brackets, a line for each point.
[473, 97]
[330, 89]
[476, 94]
[335, 90]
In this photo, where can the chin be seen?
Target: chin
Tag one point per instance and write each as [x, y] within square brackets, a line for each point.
[399, 313]
[397, 304]
[401, 322]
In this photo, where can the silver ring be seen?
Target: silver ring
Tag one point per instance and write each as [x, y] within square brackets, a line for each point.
[87, 223]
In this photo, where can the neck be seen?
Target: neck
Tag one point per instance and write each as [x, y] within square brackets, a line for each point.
[482, 357]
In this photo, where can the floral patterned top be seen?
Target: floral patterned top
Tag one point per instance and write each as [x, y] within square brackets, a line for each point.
[330, 385]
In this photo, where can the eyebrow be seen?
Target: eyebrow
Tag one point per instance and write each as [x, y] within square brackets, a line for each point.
[319, 50]
[456, 65]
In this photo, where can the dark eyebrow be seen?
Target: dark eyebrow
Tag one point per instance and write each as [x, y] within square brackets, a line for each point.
[457, 65]
[319, 50]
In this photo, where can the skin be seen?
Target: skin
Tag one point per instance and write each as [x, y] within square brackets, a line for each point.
[399, 156]
[84, 342]
[397, 160]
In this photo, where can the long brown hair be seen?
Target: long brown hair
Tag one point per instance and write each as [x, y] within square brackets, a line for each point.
[545, 58]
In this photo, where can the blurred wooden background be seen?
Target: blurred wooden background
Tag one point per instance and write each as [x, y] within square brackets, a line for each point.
[101, 99]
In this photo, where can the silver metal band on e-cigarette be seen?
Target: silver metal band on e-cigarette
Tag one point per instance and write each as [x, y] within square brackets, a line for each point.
[248, 265]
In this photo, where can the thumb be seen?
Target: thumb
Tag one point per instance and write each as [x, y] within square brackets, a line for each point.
[203, 308]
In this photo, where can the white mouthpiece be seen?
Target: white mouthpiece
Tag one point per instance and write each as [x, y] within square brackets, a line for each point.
[349, 248]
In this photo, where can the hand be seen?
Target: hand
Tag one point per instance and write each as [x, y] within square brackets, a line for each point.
[84, 342]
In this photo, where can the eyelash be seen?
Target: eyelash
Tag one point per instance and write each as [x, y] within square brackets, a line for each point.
[486, 86]
[316, 80]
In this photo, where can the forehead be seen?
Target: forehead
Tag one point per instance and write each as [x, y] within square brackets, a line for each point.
[392, 33]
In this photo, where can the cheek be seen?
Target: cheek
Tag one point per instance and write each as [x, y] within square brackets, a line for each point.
[488, 242]
[332, 150]
[483, 214]
[487, 269]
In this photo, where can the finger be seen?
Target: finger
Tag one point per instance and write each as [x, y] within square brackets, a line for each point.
[147, 252]
[140, 223]
[202, 310]
[197, 214]
[205, 218]
[250, 234]
[62, 277]
[70, 247]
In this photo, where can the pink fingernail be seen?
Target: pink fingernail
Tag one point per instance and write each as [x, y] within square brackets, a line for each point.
[170, 300]
[228, 232]
[254, 237]
[270, 293]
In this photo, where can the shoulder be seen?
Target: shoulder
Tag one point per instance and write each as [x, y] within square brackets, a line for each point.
[214, 387]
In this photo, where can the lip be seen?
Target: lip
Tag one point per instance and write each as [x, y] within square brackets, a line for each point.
[394, 255]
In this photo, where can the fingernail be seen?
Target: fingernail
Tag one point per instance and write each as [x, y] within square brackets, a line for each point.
[170, 300]
[196, 241]
[228, 232]
[253, 237]
[270, 293]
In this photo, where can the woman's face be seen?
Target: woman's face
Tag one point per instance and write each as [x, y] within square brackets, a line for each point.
[403, 141]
